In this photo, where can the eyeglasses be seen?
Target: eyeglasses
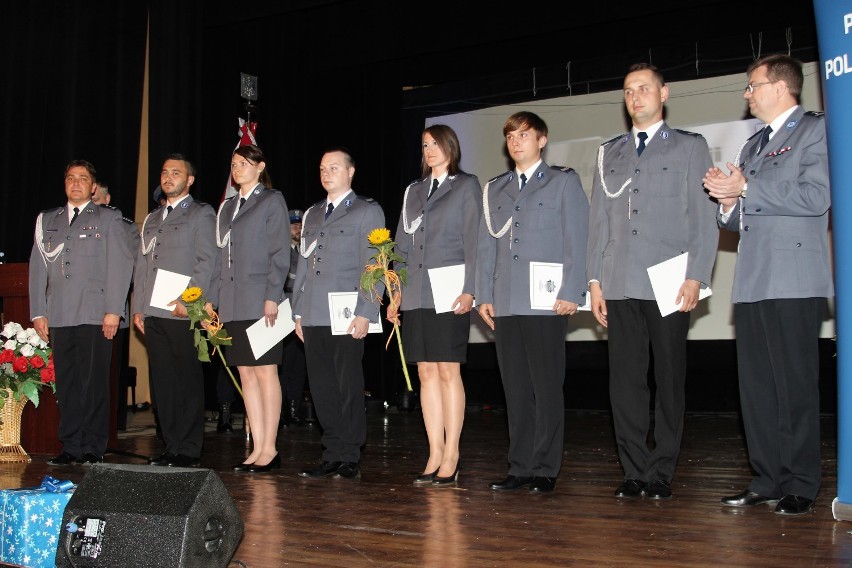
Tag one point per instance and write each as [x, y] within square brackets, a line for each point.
[752, 87]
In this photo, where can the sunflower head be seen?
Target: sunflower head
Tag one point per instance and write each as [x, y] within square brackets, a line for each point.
[378, 236]
[191, 294]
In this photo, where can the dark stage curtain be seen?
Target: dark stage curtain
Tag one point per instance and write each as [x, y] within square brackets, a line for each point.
[72, 89]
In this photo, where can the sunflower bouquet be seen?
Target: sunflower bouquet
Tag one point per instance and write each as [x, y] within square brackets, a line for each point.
[380, 271]
[207, 329]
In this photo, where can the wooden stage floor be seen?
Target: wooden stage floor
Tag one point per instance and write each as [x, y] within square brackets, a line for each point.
[382, 520]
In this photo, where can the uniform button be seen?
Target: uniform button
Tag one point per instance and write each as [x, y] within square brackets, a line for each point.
[516, 240]
[158, 244]
[635, 190]
[422, 229]
[319, 247]
[798, 245]
[67, 264]
[515, 257]
[160, 231]
[635, 211]
[635, 232]
[758, 210]
[68, 238]
[322, 233]
[517, 224]
[318, 272]
[67, 276]
[752, 172]
[745, 228]
[636, 171]
[156, 256]
[421, 247]
[517, 208]
[419, 266]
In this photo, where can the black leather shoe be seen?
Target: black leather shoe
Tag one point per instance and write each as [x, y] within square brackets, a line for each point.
[274, 463]
[511, 483]
[326, 469]
[446, 481]
[348, 470]
[164, 459]
[794, 505]
[242, 466]
[746, 499]
[89, 459]
[64, 459]
[658, 489]
[630, 489]
[181, 460]
[542, 484]
[425, 478]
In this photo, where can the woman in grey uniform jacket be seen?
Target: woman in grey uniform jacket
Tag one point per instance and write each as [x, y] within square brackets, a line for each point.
[253, 235]
[438, 228]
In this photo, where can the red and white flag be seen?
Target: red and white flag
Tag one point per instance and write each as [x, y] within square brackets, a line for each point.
[246, 133]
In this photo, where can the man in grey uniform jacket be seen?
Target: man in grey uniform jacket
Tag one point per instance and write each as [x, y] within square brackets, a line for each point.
[178, 237]
[777, 196]
[334, 251]
[533, 213]
[80, 269]
[648, 206]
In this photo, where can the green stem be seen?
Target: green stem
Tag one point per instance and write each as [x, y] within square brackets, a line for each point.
[402, 358]
[222, 357]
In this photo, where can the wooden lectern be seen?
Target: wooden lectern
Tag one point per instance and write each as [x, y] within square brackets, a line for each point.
[39, 426]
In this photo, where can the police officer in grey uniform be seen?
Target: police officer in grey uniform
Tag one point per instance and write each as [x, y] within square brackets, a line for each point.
[179, 237]
[293, 372]
[334, 251]
[777, 197]
[648, 205]
[532, 213]
[79, 271]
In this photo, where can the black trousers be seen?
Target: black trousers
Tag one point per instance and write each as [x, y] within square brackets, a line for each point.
[82, 357]
[634, 326]
[178, 384]
[778, 364]
[336, 379]
[531, 355]
[293, 372]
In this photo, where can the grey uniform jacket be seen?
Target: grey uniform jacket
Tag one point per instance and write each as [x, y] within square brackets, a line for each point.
[549, 223]
[80, 273]
[256, 259]
[783, 250]
[183, 242]
[445, 235]
[662, 212]
[338, 251]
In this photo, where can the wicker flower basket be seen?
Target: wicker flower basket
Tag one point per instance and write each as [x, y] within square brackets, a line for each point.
[11, 450]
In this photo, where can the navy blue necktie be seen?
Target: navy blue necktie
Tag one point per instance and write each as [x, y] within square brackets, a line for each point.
[764, 138]
[523, 181]
[330, 209]
[432, 190]
[169, 210]
[74, 218]
[641, 147]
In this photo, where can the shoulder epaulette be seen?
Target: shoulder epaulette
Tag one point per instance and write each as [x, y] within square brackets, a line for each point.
[498, 177]
[565, 169]
[202, 203]
[814, 113]
[230, 198]
[613, 139]
[687, 132]
[52, 209]
[365, 198]
[111, 207]
[128, 221]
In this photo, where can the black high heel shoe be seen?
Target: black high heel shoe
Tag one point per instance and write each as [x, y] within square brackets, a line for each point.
[426, 478]
[275, 463]
[242, 466]
[445, 481]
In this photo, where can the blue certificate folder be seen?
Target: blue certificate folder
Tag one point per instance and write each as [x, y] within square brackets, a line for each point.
[30, 521]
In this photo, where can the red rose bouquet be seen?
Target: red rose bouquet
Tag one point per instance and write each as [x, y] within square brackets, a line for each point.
[26, 364]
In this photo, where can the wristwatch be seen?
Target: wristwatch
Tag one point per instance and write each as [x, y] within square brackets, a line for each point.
[743, 190]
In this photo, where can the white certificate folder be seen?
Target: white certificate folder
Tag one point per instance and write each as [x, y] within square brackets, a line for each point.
[263, 338]
[341, 311]
[447, 285]
[168, 286]
[545, 281]
[666, 279]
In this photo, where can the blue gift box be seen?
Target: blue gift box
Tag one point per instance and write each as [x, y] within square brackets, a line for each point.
[30, 523]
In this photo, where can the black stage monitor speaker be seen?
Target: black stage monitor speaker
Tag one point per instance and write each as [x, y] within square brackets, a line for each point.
[123, 516]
